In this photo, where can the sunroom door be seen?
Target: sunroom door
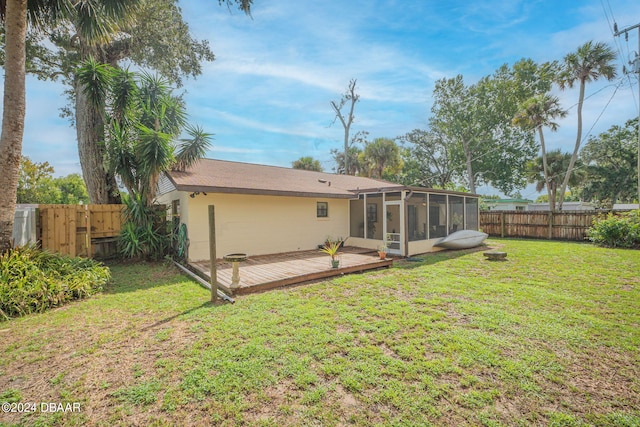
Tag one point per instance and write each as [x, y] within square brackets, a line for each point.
[393, 227]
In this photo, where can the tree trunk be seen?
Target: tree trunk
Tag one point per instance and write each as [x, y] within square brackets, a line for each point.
[13, 113]
[574, 156]
[545, 170]
[472, 180]
[101, 185]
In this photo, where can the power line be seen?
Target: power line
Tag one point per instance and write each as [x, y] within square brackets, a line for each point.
[636, 69]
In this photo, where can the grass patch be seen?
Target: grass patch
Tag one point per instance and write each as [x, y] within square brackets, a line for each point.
[144, 393]
[549, 337]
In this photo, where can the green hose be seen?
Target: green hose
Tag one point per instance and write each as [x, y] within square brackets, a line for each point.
[181, 243]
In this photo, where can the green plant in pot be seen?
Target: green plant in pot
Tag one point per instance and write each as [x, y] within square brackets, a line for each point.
[331, 249]
[382, 251]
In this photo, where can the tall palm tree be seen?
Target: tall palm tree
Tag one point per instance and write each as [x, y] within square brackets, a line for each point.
[538, 112]
[590, 62]
[15, 16]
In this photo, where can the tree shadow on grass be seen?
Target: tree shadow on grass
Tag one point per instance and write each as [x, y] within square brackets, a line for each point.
[207, 304]
[136, 276]
[436, 257]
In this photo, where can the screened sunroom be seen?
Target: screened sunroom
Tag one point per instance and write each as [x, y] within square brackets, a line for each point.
[409, 221]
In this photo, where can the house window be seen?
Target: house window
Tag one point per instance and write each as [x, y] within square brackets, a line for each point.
[322, 209]
[520, 208]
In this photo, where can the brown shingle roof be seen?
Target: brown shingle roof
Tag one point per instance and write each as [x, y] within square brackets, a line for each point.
[220, 176]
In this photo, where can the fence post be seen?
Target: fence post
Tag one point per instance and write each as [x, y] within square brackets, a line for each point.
[502, 226]
[212, 254]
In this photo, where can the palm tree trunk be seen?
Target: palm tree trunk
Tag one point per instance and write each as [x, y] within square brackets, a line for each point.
[545, 169]
[574, 156]
[12, 115]
[101, 185]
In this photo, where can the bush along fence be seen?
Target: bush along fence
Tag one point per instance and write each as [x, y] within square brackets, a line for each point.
[538, 225]
[80, 230]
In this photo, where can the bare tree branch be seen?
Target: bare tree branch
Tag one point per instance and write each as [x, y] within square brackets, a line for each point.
[349, 96]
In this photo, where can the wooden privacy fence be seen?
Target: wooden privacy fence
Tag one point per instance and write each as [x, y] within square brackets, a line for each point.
[80, 230]
[538, 225]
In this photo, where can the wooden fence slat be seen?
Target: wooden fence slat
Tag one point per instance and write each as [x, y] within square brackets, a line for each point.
[89, 232]
[71, 235]
[51, 221]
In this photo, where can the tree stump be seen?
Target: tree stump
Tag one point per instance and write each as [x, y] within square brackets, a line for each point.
[496, 256]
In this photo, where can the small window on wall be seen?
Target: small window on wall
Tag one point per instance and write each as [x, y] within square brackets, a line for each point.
[322, 209]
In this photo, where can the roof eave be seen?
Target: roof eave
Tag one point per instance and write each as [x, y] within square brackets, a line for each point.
[261, 192]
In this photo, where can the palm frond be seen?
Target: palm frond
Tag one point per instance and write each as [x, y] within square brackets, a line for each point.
[121, 157]
[123, 93]
[192, 149]
[99, 21]
[154, 152]
[95, 79]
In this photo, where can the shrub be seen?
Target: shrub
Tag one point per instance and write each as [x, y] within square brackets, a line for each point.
[146, 233]
[616, 231]
[32, 280]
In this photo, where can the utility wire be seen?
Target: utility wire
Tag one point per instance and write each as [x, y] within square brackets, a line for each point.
[624, 60]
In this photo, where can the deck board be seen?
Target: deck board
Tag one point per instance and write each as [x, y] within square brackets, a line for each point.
[265, 272]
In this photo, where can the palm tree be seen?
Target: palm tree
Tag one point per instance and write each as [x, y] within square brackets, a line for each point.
[382, 154]
[557, 163]
[101, 183]
[144, 120]
[355, 165]
[589, 63]
[307, 163]
[15, 15]
[536, 113]
[14, 18]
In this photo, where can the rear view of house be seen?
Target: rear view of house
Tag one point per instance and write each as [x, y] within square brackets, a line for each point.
[267, 209]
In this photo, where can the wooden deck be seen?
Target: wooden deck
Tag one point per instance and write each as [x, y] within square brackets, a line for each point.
[265, 272]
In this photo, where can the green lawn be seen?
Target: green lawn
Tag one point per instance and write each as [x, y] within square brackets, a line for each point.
[550, 337]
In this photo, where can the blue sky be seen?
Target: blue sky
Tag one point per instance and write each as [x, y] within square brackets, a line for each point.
[266, 96]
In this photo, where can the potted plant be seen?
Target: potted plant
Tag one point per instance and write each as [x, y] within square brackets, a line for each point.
[331, 249]
[382, 251]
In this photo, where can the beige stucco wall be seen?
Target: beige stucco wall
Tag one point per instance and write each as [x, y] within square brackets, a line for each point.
[364, 243]
[423, 247]
[259, 225]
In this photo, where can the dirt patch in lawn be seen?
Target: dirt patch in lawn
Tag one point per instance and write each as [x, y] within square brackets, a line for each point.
[89, 364]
